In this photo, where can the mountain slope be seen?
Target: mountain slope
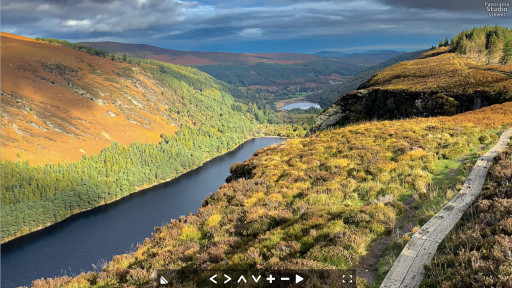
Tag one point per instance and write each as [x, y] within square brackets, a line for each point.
[198, 58]
[59, 104]
[309, 74]
[440, 83]
[79, 131]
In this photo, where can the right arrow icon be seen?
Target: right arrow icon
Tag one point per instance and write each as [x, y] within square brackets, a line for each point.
[298, 278]
[227, 278]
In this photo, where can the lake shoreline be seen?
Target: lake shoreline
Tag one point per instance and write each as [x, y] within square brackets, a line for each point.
[137, 190]
[280, 105]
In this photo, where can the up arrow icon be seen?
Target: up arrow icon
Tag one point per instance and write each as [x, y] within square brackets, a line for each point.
[242, 278]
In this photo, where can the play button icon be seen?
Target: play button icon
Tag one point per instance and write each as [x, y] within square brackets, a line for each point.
[298, 278]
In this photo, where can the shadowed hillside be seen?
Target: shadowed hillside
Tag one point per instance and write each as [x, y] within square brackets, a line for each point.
[198, 58]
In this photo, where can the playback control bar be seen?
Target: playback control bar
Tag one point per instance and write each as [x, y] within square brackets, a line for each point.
[255, 278]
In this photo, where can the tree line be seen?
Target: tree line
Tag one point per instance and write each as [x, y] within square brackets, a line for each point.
[493, 44]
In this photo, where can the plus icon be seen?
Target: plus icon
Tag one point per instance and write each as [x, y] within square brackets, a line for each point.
[271, 278]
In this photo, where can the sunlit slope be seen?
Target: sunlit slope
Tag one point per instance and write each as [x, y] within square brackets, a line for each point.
[313, 202]
[439, 83]
[59, 104]
[445, 73]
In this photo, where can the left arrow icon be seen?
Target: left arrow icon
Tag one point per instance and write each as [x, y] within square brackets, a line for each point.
[163, 281]
[213, 278]
[227, 278]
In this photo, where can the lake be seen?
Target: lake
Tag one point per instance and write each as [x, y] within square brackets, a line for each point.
[95, 236]
[301, 105]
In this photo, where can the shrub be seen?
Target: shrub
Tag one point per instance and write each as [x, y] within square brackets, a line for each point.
[190, 232]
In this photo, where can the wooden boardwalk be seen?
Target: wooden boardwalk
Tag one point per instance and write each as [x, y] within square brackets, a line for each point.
[408, 268]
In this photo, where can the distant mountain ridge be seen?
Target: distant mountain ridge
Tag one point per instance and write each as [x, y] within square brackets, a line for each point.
[381, 55]
[331, 54]
[198, 58]
[377, 54]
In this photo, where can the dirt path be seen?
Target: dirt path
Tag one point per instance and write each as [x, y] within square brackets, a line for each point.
[367, 266]
[501, 72]
[408, 268]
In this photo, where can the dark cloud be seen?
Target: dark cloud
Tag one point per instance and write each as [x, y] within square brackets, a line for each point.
[198, 24]
[443, 5]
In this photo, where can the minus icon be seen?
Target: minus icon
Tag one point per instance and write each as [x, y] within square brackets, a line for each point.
[285, 278]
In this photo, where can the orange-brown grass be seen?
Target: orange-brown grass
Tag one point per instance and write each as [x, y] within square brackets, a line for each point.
[447, 72]
[59, 104]
[435, 52]
[313, 202]
[493, 117]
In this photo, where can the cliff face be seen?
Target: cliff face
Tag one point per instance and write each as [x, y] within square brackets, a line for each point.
[437, 84]
[368, 104]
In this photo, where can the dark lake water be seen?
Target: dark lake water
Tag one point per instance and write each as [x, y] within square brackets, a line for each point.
[301, 105]
[95, 236]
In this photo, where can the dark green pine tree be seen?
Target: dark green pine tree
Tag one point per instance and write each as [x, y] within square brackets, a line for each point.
[507, 53]
[462, 45]
[492, 46]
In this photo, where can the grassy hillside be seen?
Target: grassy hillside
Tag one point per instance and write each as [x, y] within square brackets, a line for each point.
[477, 252]
[439, 83]
[320, 201]
[80, 130]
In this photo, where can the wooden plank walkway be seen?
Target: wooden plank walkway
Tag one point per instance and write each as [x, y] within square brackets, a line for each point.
[408, 268]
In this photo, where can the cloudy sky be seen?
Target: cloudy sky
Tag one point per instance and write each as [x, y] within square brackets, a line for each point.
[250, 25]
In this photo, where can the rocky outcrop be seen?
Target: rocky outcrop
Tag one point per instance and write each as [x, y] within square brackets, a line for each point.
[385, 104]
